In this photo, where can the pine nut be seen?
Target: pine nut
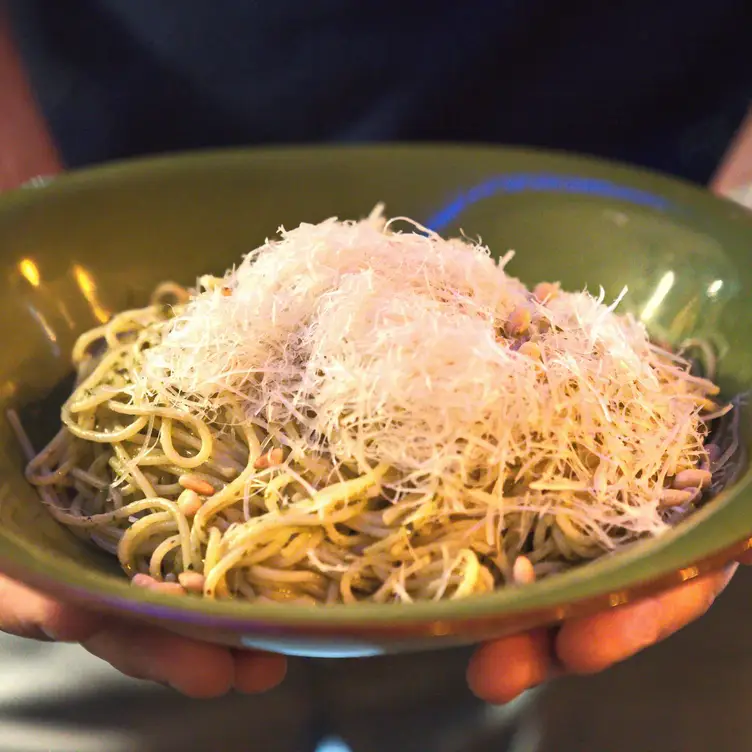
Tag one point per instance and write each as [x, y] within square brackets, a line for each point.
[193, 582]
[694, 478]
[276, 456]
[271, 458]
[673, 497]
[189, 502]
[523, 571]
[148, 582]
[519, 321]
[143, 580]
[196, 484]
[545, 291]
[170, 588]
[531, 350]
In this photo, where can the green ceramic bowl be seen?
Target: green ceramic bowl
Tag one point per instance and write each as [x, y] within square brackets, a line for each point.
[97, 241]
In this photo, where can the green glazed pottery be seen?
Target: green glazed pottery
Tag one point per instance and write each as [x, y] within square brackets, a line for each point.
[90, 243]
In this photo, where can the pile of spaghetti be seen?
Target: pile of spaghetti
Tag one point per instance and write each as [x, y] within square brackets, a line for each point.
[358, 413]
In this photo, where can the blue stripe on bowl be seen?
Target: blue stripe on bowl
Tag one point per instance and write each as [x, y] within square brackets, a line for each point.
[543, 183]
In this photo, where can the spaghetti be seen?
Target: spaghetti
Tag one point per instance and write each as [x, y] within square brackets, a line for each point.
[356, 413]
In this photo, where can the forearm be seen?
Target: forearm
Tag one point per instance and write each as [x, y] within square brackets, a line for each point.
[733, 178]
[26, 147]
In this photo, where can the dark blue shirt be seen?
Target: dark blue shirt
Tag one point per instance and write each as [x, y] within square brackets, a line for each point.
[662, 83]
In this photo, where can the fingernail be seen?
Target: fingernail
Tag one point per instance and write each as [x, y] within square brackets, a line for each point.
[49, 633]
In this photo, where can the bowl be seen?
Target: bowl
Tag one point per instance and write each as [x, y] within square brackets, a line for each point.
[92, 242]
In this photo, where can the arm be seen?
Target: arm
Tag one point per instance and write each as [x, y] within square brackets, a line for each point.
[26, 148]
[733, 178]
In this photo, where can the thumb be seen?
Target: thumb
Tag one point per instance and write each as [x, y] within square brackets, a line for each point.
[27, 613]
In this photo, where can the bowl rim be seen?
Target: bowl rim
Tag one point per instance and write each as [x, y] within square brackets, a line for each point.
[54, 574]
[135, 166]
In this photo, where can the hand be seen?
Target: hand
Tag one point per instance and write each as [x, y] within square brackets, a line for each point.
[144, 652]
[499, 671]
[503, 669]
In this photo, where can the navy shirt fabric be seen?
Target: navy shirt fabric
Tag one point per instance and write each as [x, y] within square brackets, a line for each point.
[660, 83]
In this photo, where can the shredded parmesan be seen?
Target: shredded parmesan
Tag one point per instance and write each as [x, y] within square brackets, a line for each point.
[408, 351]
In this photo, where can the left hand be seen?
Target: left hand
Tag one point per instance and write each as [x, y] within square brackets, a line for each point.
[194, 668]
[503, 669]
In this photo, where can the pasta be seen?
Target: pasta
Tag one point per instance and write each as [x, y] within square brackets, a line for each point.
[356, 413]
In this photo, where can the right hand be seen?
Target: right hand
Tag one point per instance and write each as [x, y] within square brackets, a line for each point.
[503, 669]
[194, 668]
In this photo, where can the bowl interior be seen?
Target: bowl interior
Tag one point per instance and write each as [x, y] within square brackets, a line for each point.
[95, 242]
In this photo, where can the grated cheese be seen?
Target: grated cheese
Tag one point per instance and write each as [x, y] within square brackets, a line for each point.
[406, 350]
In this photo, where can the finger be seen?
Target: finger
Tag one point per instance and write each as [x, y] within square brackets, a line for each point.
[27, 613]
[594, 643]
[746, 557]
[685, 604]
[194, 668]
[258, 672]
[501, 670]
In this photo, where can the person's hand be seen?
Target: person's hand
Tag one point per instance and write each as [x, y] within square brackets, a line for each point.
[194, 668]
[501, 670]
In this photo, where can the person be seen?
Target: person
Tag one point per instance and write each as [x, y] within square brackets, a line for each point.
[665, 85]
